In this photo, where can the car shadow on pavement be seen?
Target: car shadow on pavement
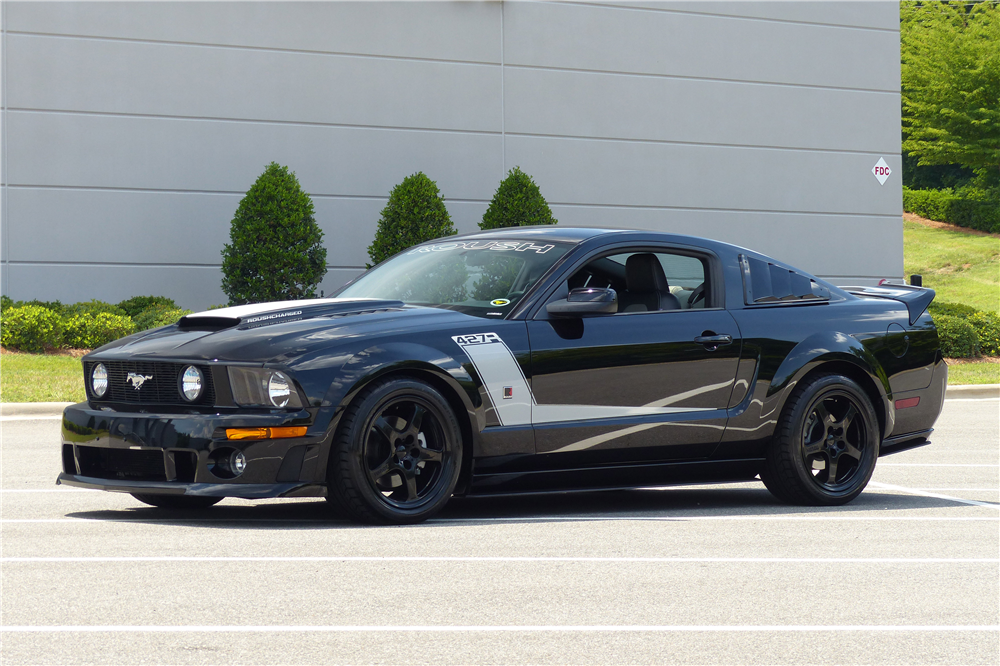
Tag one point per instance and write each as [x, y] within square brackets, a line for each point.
[667, 504]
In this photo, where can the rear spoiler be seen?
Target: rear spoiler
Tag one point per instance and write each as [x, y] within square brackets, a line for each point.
[916, 299]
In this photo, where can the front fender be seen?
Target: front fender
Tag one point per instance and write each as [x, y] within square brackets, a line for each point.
[370, 364]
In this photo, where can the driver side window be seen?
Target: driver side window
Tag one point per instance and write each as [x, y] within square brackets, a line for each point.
[649, 280]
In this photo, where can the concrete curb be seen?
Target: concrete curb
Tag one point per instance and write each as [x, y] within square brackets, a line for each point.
[56, 408]
[33, 408]
[973, 391]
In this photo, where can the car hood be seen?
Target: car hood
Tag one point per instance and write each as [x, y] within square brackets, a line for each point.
[280, 332]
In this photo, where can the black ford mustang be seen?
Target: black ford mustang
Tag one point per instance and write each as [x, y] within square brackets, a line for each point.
[522, 360]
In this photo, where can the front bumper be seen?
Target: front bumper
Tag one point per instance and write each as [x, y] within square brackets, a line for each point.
[177, 454]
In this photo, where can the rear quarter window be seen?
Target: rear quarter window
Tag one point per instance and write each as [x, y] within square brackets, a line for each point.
[765, 282]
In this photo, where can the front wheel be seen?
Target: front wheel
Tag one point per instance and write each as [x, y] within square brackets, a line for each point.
[397, 454]
[184, 502]
[824, 449]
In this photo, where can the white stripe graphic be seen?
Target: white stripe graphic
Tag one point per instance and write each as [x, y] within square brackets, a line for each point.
[555, 628]
[499, 370]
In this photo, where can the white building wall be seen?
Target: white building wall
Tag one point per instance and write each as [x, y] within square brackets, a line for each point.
[131, 130]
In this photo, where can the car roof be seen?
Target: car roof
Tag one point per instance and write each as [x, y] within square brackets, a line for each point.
[576, 235]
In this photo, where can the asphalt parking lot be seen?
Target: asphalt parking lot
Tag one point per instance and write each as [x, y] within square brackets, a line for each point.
[907, 574]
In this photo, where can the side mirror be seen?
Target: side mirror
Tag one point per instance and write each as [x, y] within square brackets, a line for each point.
[585, 301]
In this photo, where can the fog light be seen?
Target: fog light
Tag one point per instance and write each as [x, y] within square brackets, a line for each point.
[227, 463]
[237, 463]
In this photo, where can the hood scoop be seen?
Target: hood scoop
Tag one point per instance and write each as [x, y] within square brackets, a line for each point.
[265, 314]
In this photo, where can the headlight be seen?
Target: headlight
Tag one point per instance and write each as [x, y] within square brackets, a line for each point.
[99, 380]
[191, 383]
[263, 387]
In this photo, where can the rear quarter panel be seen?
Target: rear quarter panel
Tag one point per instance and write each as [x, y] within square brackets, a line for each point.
[857, 337]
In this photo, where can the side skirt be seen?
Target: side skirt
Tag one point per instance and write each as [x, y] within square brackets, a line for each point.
[618, 476]
[904, 442]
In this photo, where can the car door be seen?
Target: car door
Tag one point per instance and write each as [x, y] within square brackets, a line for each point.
[650, 383]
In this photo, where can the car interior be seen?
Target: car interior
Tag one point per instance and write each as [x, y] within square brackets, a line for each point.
[648, 281]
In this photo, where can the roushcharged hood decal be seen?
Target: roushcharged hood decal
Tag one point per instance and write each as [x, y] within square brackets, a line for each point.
[262, 314]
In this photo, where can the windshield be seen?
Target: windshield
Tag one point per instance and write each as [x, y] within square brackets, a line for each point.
[483, 277]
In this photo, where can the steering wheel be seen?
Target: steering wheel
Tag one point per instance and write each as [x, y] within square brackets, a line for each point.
[697, 295]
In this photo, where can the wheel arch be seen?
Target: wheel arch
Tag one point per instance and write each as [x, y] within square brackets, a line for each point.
[445, 374]
[837, 353]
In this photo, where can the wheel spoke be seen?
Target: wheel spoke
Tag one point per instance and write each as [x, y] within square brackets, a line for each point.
[417, 420]
[814, 448]
[384, 428]
[431, 455]
[386, 467]
[849, 416]
[411, 486]
[831, 471]
[852, 451]
[824, 414]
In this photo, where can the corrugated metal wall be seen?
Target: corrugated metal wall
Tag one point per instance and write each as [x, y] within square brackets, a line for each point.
[132, 130]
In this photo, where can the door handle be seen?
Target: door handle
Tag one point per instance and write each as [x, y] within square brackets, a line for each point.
[713, 342]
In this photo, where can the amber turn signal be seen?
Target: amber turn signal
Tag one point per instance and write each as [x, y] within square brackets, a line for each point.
[265, 433]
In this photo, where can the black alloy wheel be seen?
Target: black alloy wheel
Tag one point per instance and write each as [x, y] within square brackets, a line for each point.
[826, 444]
[397, 455]
[181, 502]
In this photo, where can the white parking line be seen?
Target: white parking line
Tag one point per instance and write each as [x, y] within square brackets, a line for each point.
[716, 628]
[194, 521]
[30, 418]
[49, 490]
[505, 558]
[962, 490]
[921, 493]
[971, 399]
[932, 465]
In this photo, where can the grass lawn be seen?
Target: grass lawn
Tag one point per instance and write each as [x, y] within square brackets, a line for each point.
[974, 373]
[40, 378]
[960, 267]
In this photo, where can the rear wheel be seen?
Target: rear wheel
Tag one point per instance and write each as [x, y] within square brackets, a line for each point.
[824, 449]
[188, 502]
[397, 454]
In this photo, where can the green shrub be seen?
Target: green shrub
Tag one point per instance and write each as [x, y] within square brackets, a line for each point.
[415, 213]
[135, 305]
[6, 302]
[970, 207]
[517, 203]
[30, 328]
[987, 327]
[951, 309]
[90, 331]
[276, 251]
[958, 337]
[157, 316]
[92, 308]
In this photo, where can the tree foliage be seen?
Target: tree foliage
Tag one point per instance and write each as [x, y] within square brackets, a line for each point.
[517, 203]
[415, 213]
[276, 251]
[951, 82]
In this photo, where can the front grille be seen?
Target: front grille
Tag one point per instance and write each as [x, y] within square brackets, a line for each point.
[162, 389]
[135, 465]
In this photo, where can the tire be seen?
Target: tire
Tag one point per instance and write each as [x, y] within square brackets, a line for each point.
[183, 502]
[397, 454]
[824, 449]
